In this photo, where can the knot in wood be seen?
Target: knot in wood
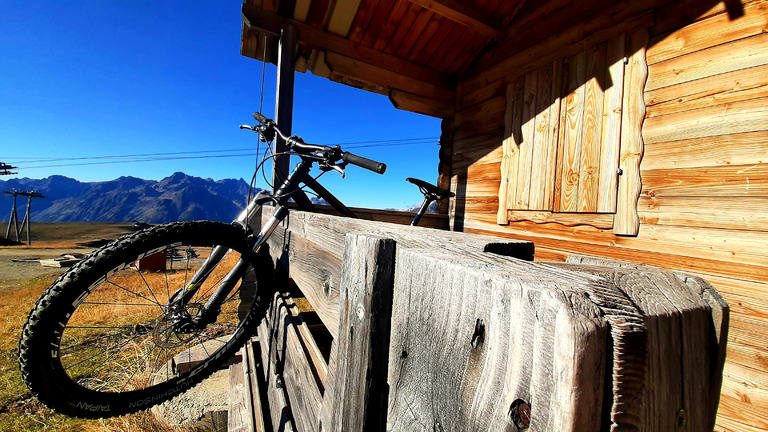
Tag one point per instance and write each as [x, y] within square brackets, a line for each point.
[520, 413]
[479, 334]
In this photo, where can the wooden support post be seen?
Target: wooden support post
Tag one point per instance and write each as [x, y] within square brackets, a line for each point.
[286, 61]
[359, 393]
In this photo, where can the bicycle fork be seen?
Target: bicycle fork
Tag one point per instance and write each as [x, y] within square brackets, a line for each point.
[210, 310]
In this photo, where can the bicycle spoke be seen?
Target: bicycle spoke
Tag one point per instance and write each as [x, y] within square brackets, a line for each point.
[136, 294]
[101, 353]
[145, 283]
[118, 304]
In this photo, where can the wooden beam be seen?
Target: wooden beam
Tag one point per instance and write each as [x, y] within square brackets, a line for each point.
[627, 220]
[360, 391]
[463, 14]
[286, 62]
[311, 248]
[259, 19]
[420, 104]
[386, 78]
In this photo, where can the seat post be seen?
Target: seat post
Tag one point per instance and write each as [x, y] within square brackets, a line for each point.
[428, 198]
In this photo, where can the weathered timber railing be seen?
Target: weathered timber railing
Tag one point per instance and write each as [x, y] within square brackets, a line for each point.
[431, 331]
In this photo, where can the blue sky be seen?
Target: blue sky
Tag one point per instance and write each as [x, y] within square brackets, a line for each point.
[105, 78]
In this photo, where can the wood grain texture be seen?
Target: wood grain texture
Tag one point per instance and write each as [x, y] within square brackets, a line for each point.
[711, 121]
[728, 57]
[688, 222]
[310, 246]
[731, 180]
[723, 150]
[735, 86]
[359, 397]
[710, 32]
[627, 221]
[239, 414]
[544, 155]
[611, 126]
[440, 379]
[571, 121]
[277, 398]
[289, 361]
[687, 326]
[528, 143]
[591, 139]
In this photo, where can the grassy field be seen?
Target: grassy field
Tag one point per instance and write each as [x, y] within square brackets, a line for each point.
[21, 284]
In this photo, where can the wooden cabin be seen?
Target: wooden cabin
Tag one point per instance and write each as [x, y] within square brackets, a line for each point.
[633, 131]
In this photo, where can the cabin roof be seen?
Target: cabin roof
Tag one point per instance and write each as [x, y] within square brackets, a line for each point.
[412, 50]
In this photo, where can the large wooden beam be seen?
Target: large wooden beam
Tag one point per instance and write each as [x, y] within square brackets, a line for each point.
[310, 248]
[269, 22]
[463, 14]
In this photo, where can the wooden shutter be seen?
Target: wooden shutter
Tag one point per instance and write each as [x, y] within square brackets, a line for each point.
[564, 134]
[590, 129]
[530, 149]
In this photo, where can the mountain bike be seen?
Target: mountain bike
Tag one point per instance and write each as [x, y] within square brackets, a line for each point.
[150, 315]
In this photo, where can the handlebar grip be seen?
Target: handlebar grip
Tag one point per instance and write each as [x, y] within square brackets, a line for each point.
[261, 118]
[362, 162]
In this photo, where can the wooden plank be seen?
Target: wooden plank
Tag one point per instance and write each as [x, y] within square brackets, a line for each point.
[682, 382]
[420, 104]
[257, 18]
[286, 354]
[710, 32]
[277, 399]
[342, 16]
[603, 221]
[741, 54]
[360, 387]
[591, 139]
[392, 23]
[415, 33]
[744, 213]
[377, 22]
[465, 15]
[488, 112]
[253, 371]
[311, 247]
[526, 147]
[405, 27]
[575, 39]
[736, 86]
[737, 149]
[731, 180]
[571, 121]
[451, 353]
[544, 143]
[545, 236]
[627, 221]
[385, 77]
[239, 418]
[553, 133]
[725, 119]
[675, 15]
[611, 126]
[511, 148]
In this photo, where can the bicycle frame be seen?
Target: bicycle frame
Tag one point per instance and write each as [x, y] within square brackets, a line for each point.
[291, 188]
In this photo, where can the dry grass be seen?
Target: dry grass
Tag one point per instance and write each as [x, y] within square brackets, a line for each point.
[19, 411]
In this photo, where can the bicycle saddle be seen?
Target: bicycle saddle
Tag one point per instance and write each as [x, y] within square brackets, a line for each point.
[427, 188]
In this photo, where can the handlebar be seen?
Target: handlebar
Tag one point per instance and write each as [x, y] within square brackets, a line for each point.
[330, 155]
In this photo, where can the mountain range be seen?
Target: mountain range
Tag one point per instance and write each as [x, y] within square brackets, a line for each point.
[127, 199]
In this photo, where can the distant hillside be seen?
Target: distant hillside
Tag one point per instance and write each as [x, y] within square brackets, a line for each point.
[128, 199]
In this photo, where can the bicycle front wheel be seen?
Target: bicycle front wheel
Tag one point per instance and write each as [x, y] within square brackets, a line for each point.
[102, 341]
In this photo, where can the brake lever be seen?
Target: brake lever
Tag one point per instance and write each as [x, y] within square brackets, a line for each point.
[334, 167]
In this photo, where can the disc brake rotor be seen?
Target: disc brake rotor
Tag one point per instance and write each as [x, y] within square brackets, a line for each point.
[165, 333]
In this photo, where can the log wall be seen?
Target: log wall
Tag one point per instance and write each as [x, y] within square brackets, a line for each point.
[703, 208]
